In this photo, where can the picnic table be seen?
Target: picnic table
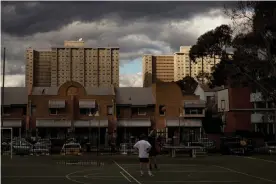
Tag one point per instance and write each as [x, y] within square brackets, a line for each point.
[173, 149]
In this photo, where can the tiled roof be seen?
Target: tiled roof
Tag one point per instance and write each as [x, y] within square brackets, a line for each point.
[206, 88]
[89, 90]
[45, 91]
[100, 90]
[134, 96]
[15, 96]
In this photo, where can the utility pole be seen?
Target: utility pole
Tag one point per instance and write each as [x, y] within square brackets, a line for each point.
[3, 84]
[275, 123]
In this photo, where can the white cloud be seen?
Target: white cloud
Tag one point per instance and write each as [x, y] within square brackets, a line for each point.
[131, 80]
[126, 80]
[133, 39]
[14, 80]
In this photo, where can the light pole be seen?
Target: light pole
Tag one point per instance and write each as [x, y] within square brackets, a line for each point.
[179, 128]
[3, 84]
[275, 125]
[222, 105]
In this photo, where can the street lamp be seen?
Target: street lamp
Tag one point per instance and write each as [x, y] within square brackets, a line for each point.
[3, 84]
[92, 114]
[224, 114]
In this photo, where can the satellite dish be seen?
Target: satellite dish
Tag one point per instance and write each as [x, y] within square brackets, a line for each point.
[80, 39]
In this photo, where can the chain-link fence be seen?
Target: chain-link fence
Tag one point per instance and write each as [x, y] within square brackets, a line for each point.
[116, 143]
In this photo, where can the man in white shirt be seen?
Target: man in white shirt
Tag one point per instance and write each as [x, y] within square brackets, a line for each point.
[143, 147]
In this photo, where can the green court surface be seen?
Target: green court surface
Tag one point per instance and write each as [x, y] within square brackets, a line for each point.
[125, 169]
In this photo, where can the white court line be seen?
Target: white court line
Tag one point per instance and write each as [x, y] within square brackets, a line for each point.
[166, 165]
[125, 176]
[245, 174]
[87, 176]
[27, 165]
[35, 176]
[194, 181]
[127, 173]
[99, 176]
[261, 159]
[189, 171]
[73, 180]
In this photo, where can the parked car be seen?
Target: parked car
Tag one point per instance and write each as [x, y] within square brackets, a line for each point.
[21, 147]
[46, 142]
[209, 145]
[40, 148]
[236, 146]
[5, 147]
[71, 140]
[71, 149]
[268, 148]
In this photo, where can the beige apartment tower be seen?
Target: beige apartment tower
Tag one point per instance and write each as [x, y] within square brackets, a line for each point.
[183, 67]
[157, 69]
[176, 66]
[92, 67]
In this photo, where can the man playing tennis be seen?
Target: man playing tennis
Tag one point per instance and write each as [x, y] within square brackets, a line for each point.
[143, 148]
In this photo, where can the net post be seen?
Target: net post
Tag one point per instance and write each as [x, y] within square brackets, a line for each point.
[11, 134]
[11, 142]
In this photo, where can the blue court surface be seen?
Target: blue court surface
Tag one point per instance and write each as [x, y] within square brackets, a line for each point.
[125, 169]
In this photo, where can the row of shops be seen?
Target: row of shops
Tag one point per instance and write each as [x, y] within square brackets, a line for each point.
[92, 129]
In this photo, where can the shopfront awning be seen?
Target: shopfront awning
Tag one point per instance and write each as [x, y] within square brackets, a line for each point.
[12, 123]
[134, 123]
[87, 104]
[183, 122]
[90, 123]
[57, 104]
[53, 123]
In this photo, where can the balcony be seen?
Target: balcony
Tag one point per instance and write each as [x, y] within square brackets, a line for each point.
[195, 104]
[262, 118]
[193, 113]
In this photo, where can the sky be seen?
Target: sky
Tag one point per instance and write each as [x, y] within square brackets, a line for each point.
[138, 28]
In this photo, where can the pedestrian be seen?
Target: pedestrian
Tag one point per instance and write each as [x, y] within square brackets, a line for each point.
[143, 148]
[154, 149]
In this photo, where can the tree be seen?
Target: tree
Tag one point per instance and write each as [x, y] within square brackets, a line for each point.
[254, 60]
[205, 76]
[197, 51]
[211, 44]
[187, 84]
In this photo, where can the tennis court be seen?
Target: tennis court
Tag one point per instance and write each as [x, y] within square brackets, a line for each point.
[125, 169]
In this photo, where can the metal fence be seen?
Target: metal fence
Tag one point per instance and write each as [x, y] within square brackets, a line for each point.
[81, 145]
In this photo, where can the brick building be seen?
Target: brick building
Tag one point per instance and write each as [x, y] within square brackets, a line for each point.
[234, 105]
[14, 107]
[182, 112]
[134, 106]
[97, 111]
[71, 107]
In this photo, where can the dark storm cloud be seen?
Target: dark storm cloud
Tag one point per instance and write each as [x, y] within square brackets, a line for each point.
[21, 18]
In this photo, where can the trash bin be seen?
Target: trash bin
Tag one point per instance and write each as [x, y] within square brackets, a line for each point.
[175, 141]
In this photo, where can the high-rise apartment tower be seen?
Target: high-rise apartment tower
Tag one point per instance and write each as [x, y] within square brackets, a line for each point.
[89, 66]
[157, 68]
[176, 67]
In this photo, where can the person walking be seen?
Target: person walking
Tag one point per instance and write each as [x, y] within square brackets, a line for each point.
[154, 149]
